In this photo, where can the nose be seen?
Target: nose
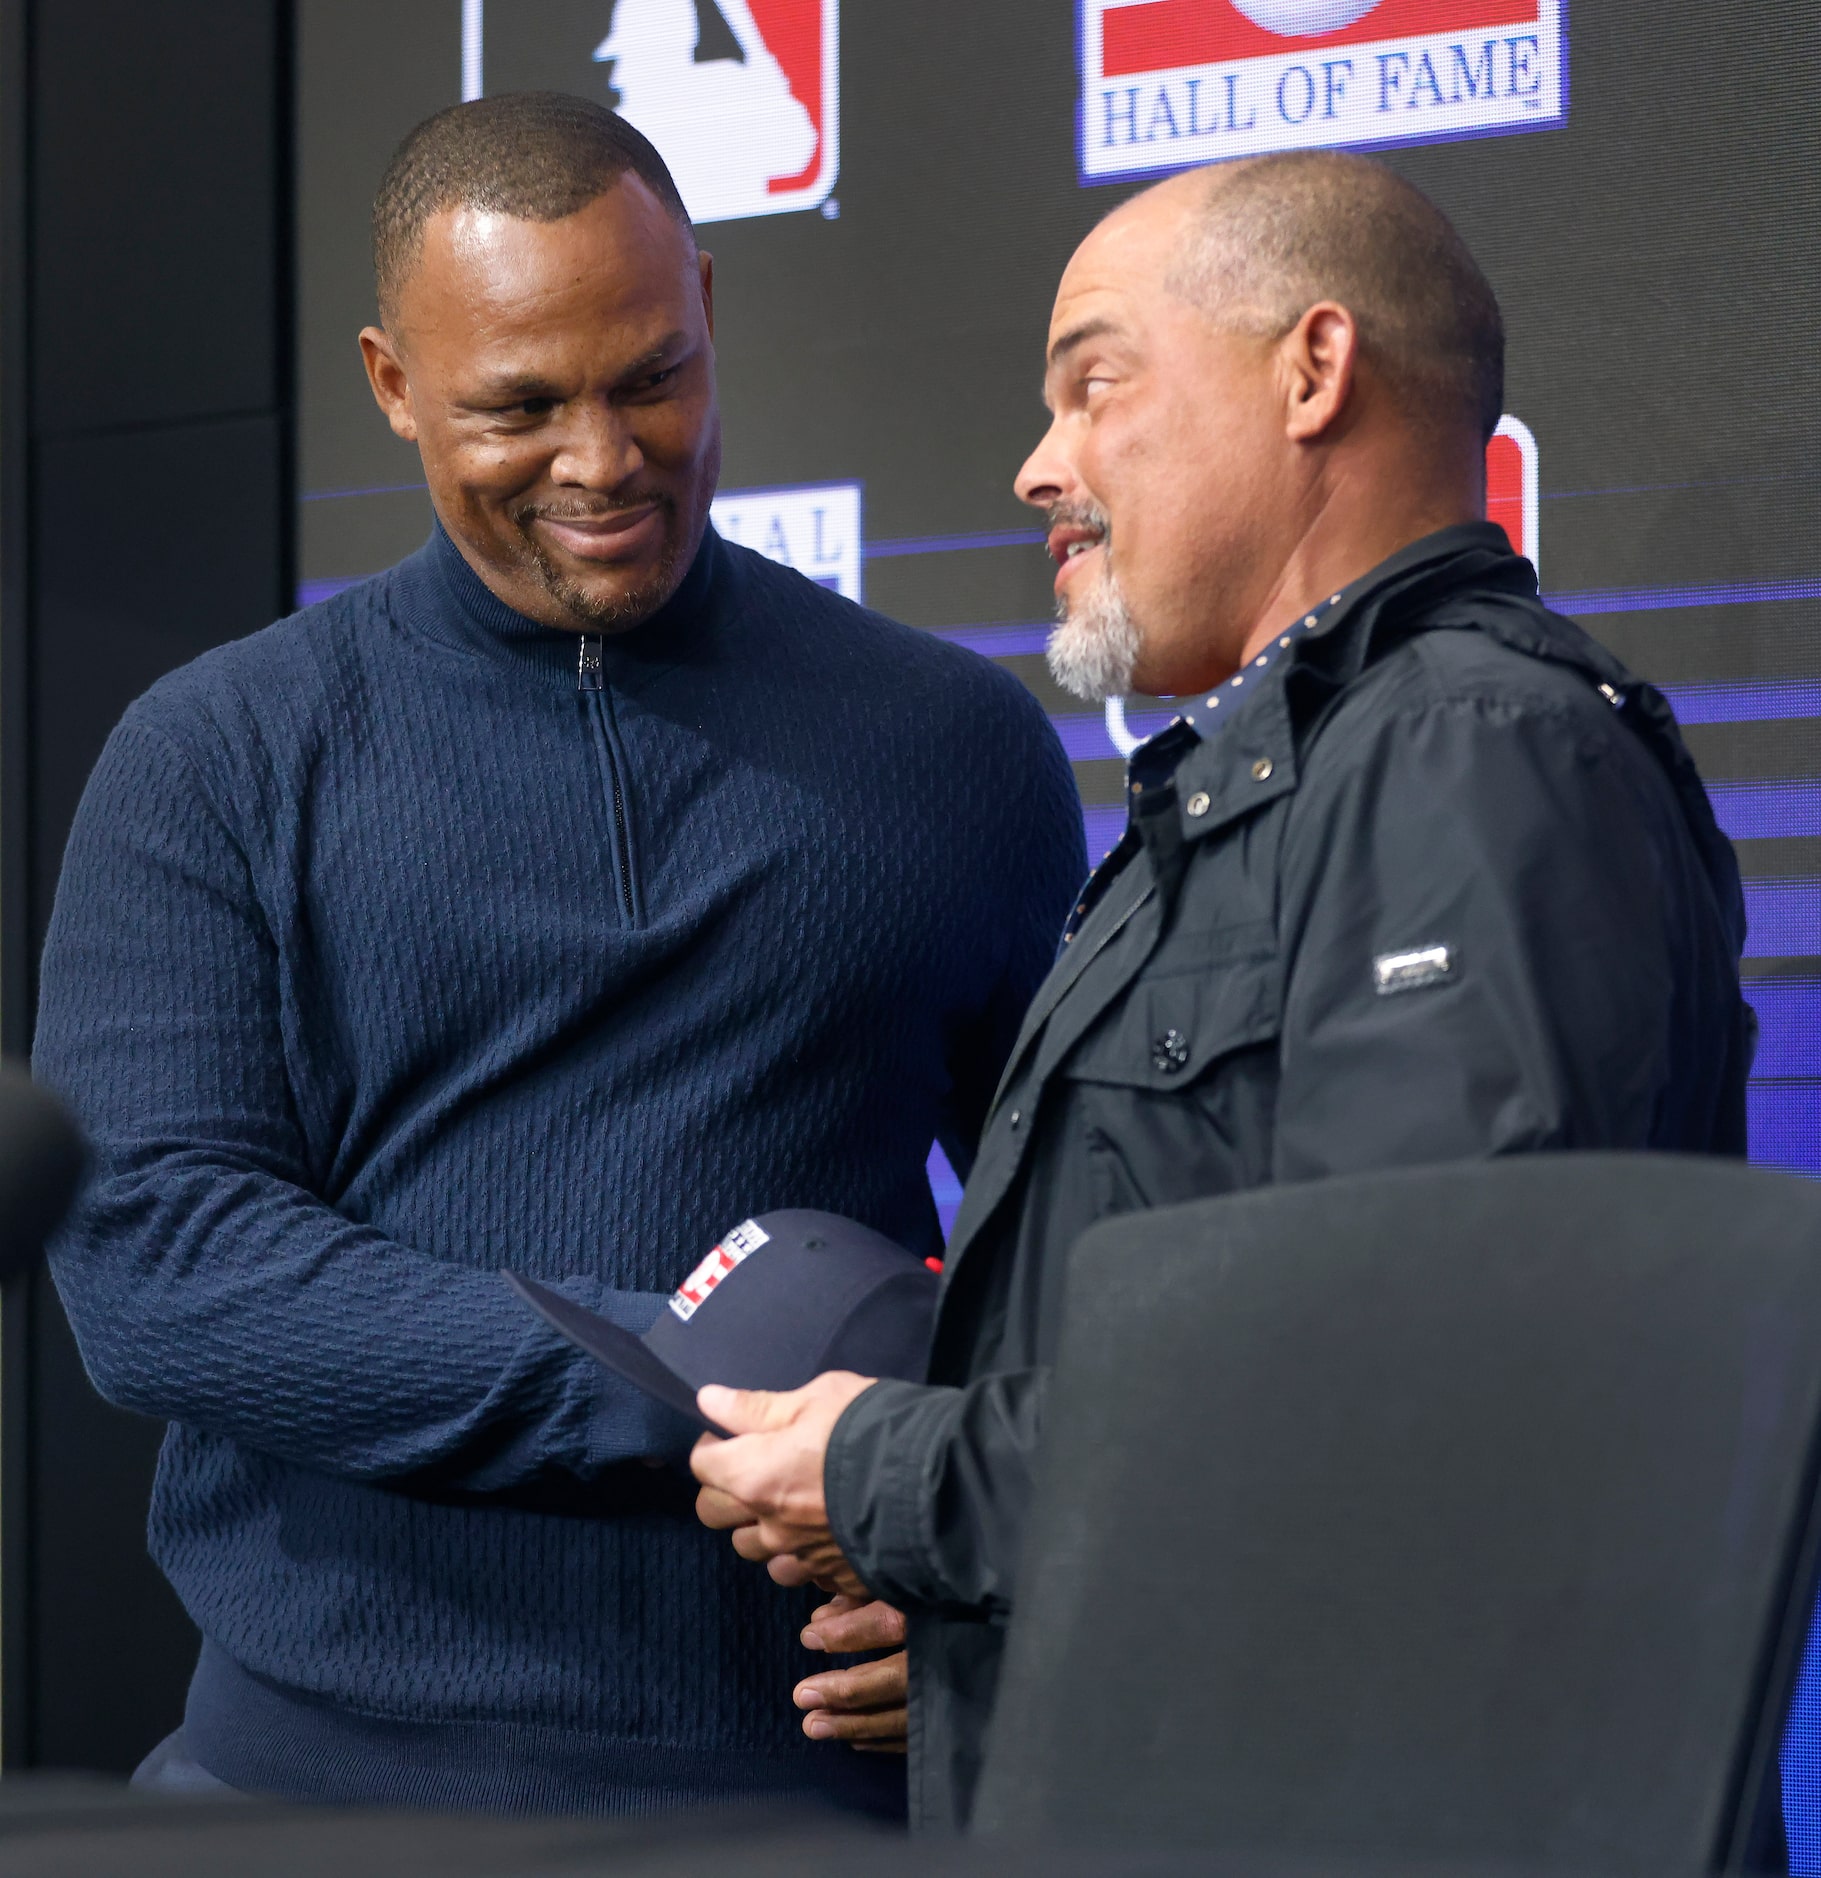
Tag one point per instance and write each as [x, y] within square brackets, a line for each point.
[1047, 475]
[595, 450]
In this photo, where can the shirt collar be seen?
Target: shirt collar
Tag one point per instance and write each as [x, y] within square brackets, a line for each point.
[439, 595]
[1201, 781]
[1204, 715]
[1217, 777]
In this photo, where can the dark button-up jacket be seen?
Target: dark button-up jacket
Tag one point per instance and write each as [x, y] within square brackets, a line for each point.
[1446, 886]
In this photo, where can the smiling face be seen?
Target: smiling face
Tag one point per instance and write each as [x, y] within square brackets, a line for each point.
[558, 379]
[1165, 473]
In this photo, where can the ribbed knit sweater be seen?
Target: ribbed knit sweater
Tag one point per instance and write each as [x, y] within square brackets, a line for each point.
[393, 948]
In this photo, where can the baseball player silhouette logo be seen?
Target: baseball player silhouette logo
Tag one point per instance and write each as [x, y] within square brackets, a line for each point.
[736, 133]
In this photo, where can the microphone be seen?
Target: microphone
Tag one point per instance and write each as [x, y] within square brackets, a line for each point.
[42, 1156]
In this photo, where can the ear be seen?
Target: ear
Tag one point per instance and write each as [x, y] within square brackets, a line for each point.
[1317, 357]
[705, 266]
[385, 373]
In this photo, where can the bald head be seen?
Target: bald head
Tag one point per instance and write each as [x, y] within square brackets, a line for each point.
[1263, 379]
[1262, 241]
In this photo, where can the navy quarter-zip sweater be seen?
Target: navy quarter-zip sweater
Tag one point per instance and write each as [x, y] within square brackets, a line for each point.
[407, 940]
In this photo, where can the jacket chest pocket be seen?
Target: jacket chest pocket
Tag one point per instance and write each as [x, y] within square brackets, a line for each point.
[1194, 1004]
[1173, 1095]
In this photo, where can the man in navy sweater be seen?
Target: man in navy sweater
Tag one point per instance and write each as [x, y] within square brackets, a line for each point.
[553, 900]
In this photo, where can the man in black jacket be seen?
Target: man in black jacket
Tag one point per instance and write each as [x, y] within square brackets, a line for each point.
[1421, 873]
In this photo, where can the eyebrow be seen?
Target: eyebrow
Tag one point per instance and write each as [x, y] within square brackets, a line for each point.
[1078, 336]
[667, 348]
[532, 385]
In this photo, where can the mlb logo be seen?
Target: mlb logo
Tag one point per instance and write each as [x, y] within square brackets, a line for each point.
[815, 529]
[1511, 487]
[1168, 83]
[741, 97]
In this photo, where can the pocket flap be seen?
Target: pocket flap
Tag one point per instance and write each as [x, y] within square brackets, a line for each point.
[1167, 1030]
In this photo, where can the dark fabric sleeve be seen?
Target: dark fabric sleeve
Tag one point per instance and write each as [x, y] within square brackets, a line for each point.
[928, 1490]
[1039, 817]
[205, 1280]
[1528, 843]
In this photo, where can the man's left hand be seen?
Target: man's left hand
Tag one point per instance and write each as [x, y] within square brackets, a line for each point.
[865, 1706]
[765, 1483]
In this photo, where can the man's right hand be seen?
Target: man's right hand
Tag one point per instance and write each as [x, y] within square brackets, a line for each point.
[867, 1705]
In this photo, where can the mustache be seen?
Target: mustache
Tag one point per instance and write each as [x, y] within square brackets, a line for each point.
[1079, 514]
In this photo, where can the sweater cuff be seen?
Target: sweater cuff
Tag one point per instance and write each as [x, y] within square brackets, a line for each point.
[624, 1423]
[878, 1476]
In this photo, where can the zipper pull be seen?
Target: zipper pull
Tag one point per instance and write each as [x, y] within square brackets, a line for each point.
[588, 664]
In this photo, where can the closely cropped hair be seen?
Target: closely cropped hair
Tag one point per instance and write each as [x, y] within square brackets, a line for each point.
[536, 155]
[1280, 233]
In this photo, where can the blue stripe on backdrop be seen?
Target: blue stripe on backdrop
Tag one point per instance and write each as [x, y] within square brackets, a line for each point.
[1783, 1120]
[1783, 918]
[1600, 600]
[1802, 1761]
[1000, 639]
[1767, 811]
[310, 592]
[1749, 701]
[1789, 1026]
[945, 1189]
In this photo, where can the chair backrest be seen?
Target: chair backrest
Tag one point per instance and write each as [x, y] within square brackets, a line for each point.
[1461, 1512]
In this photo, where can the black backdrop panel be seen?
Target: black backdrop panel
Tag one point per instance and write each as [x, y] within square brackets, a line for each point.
[148, 516]
[155, 284]
[190, 553]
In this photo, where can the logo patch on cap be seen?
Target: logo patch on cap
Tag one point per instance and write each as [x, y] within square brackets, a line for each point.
[738, 1246]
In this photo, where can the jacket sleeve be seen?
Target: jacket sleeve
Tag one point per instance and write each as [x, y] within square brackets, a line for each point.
[928, 1490]
[207, 1280]
[1521, 849]
[1039, 875]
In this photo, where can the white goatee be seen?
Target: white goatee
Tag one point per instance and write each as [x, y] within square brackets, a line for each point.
[1093, 650]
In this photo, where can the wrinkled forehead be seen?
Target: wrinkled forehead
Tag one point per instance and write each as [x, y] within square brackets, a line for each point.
[1120, 272]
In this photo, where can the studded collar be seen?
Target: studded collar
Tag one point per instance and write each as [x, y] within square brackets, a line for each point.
[1187, 781]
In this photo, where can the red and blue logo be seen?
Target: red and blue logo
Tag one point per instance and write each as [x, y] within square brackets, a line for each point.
[1169, 83]
[741, 97]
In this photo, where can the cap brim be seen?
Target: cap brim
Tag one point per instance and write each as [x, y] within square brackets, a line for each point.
[621, 1352]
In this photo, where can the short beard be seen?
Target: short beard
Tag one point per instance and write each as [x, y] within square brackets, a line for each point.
[1093, 649]
[590, 611]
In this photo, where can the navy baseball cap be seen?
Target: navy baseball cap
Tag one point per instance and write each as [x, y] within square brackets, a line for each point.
[781, 1299]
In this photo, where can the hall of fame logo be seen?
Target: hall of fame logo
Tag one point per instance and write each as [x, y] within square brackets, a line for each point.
[741, 97]
[816, 530]
[732, 1252]
[1168, 83]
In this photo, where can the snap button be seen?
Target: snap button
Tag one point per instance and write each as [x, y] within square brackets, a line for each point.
[1261, 770]
[1198, 803]
[1016, 1116]
[1170, 1052]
